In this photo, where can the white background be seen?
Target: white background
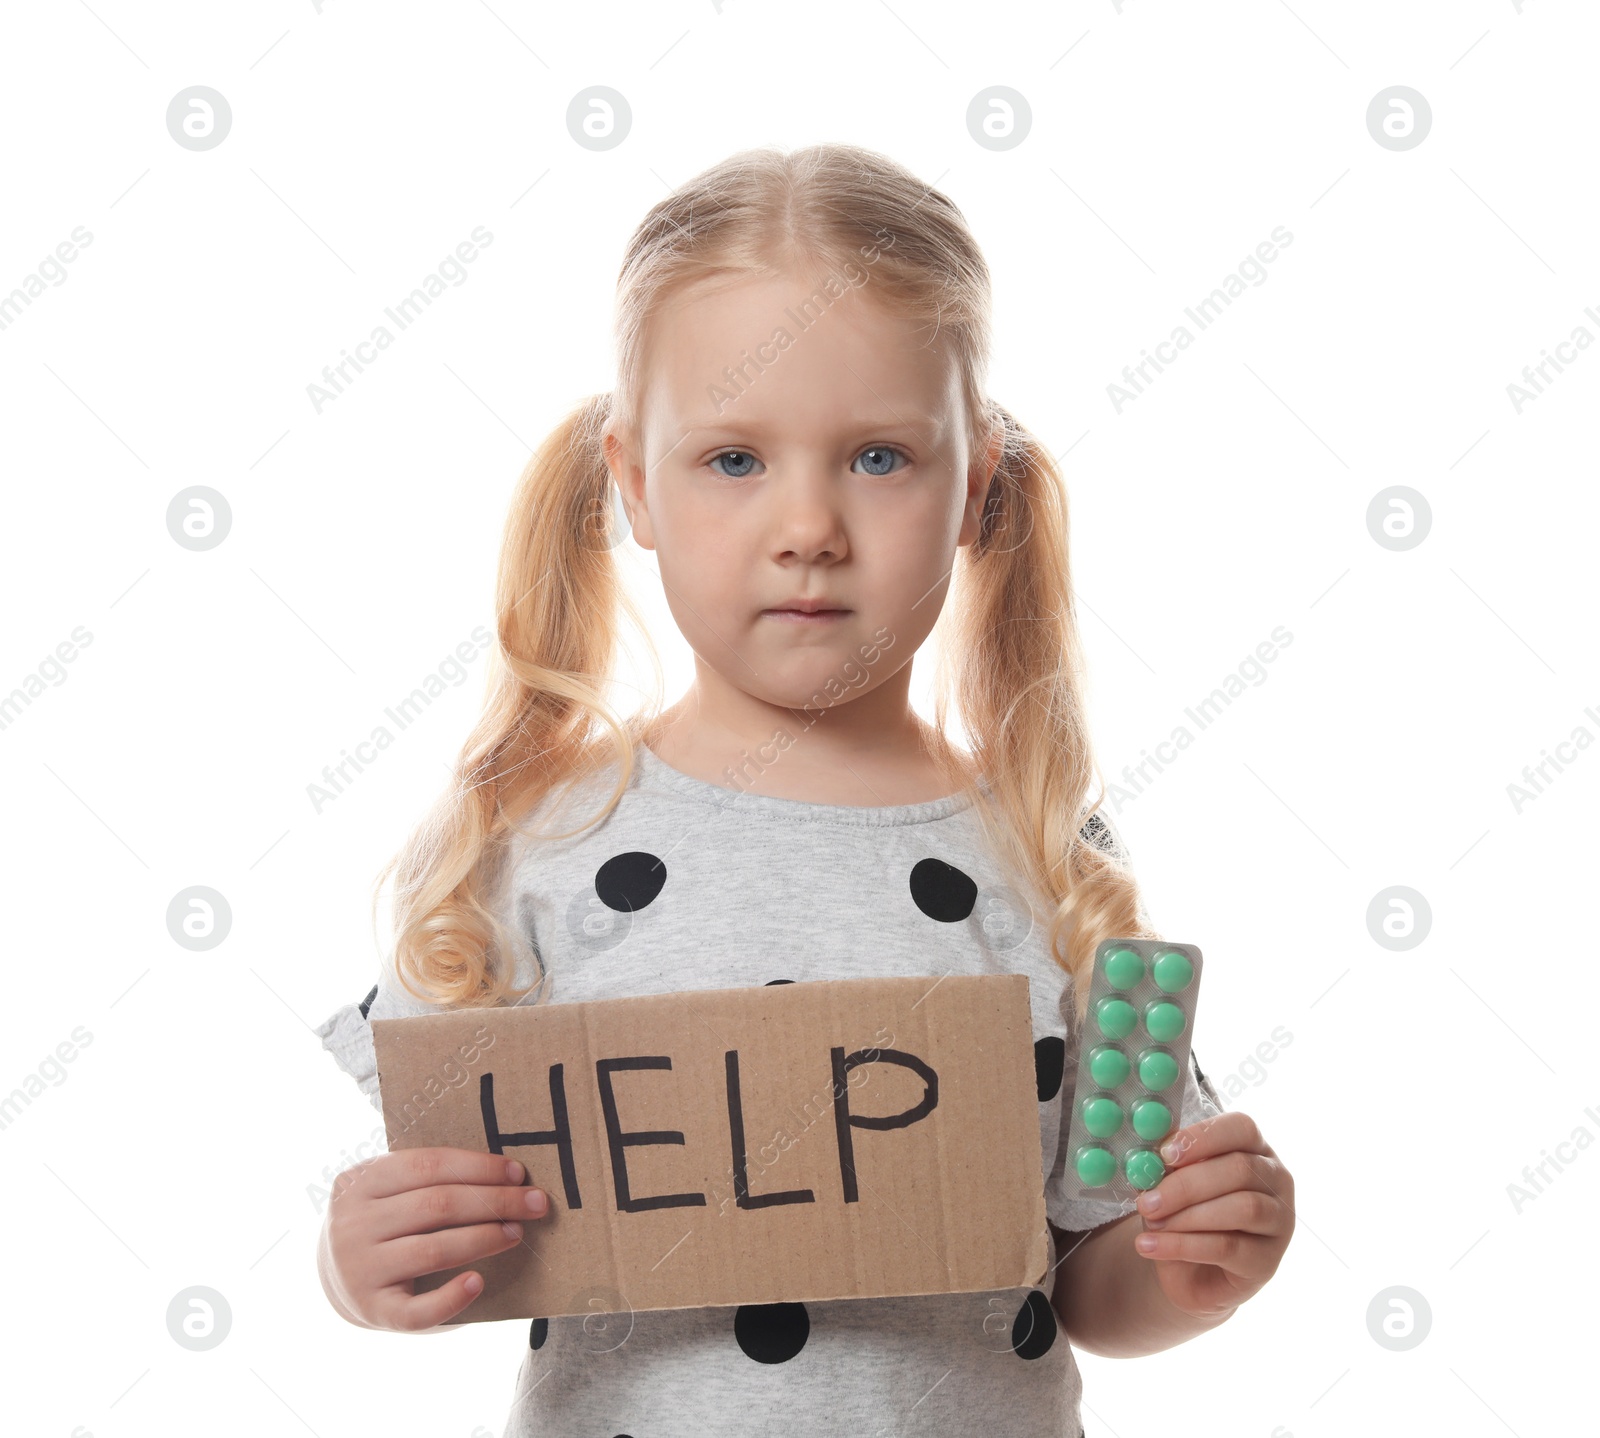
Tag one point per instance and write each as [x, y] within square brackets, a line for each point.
[185, 1145]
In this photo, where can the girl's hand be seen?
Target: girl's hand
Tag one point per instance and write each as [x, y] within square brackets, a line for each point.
[1219, 1221]
[415, 1211]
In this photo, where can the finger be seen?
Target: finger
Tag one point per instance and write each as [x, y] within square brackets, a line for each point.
[409, 1168]
[1249, 1210]
[1213, 1177]
[1204, 1289]
[1211, 1136]
[402, 1259]
[452, 1205]
[411, 1313]
[1244, 1254]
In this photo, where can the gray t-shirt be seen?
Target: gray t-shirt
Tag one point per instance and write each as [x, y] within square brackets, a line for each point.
[761, 890]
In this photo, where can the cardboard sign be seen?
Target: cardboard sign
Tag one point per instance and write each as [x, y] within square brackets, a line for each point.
[848, 1139]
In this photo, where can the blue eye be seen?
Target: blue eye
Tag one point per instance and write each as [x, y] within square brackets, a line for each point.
[882, 454]
[880, 460]
[739, 453]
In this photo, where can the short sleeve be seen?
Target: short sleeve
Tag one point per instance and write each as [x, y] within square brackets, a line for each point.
[1075, 1215]
[347, 1032]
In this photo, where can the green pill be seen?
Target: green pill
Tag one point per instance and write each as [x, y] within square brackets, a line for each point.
[1152, 1119]
[1108, 1066]
[1173, 971]
[1095, 1165]
[1157, 1069]
[1164, 1020]
[1116, 1017]
[1143, 1167]
[1101, 1116]
[1124, 968]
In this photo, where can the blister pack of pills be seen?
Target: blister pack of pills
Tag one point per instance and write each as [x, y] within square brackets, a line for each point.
[1131, 1061]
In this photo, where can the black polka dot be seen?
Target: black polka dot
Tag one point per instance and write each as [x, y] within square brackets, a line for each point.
[1049, 1059]
[630, 882]
[771, 1332]
[1034, 1331]
[942, 891]
[770, 982]
[538, 1333]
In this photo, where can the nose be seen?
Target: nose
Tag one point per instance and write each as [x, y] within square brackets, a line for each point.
[808, 522]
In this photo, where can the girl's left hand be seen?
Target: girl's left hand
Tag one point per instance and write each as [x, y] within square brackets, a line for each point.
[1220, 1219]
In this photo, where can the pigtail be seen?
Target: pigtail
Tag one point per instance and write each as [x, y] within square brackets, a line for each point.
[1011, 656]
[558, 595]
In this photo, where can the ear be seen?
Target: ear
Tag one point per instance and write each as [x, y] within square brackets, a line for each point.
[985, 460]
[625, 461]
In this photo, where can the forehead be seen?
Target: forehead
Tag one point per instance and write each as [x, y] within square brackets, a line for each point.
[784, 353]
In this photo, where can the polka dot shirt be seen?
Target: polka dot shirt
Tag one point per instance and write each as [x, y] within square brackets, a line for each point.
[689, 885]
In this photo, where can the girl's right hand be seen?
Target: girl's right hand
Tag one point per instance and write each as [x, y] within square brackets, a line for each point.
[413, 1211]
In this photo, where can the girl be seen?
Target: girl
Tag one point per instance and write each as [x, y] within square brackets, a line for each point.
[800, 432]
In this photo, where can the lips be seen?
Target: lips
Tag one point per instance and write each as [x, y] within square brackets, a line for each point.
[806, 618]
[808, 606]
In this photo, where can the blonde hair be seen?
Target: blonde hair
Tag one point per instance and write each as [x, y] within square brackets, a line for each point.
[1010, 654]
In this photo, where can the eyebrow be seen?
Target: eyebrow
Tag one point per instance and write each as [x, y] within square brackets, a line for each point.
[913, 422]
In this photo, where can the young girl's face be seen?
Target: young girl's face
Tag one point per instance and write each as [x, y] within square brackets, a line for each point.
[826, 462]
